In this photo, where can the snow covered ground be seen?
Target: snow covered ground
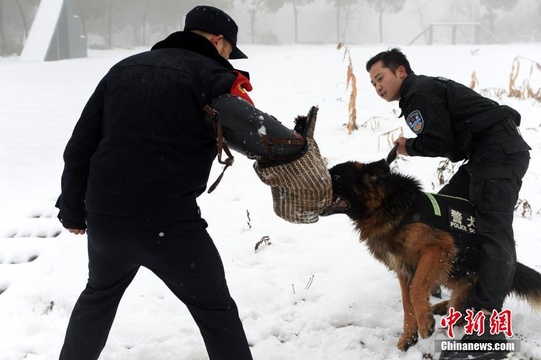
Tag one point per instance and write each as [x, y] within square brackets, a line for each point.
[312, 292]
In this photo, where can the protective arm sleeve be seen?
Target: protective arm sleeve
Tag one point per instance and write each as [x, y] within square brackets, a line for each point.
[289, 161]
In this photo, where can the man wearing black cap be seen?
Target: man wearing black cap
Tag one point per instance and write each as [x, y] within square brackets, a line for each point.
[215, 21]
[138, 158]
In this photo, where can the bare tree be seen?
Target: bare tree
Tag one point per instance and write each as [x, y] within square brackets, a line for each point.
[539, 12]
[275, 5]
[108, 23]
[256, 6]
[15, 17]
[386, 6]
[493, 5]
[2, 36]
[421, 8]
[23, 18]
[343, 11]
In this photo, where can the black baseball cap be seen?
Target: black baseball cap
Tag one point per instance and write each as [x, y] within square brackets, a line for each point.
[214, 21]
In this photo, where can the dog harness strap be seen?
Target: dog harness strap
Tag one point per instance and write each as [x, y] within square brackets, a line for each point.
[221, 146]
[254, 133]
[434, 202]
[444, 212]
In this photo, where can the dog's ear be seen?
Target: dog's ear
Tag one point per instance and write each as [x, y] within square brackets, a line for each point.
[374, 170]
[377, 168]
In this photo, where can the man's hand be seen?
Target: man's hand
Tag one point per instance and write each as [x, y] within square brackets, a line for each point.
[401, 142]
[76, 231]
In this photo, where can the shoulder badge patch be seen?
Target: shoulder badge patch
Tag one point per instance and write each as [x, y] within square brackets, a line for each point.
[415, 121]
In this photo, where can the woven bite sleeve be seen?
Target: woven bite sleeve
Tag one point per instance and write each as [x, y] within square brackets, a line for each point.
[301, 189]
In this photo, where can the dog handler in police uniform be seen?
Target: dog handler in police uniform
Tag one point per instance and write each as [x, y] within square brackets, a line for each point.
[141, 154]
[453, 121]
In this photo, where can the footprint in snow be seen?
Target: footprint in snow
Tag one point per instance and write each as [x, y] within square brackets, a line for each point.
[39, 233]
[17, 259]
[40, 224]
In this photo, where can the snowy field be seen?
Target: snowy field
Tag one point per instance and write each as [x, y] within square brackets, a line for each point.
[312, 292]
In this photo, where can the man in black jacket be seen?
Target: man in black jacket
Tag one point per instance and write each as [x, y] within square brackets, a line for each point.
[138, 158]
[451, 120]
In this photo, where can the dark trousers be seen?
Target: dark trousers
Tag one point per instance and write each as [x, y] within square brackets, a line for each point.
[492, 179]
[182, 255]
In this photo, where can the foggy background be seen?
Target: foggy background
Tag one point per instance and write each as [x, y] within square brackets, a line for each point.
[133, 23]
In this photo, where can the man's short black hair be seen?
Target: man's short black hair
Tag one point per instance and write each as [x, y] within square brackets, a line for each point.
[392, 59]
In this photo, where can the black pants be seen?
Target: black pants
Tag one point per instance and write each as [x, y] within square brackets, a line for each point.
[492, 180]
[182, 255]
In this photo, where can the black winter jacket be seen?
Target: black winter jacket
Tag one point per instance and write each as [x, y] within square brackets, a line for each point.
[447, 117]
[141, 148]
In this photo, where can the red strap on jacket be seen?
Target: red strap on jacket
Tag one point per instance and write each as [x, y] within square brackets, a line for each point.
[241, 86]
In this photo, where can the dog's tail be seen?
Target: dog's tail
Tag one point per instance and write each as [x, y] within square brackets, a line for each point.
[527, 285]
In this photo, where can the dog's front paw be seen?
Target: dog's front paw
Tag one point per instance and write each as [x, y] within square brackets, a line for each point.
[426, 328]
[406, 341]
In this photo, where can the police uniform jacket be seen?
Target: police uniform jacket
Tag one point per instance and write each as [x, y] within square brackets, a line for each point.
[453, 121]
[141, 148]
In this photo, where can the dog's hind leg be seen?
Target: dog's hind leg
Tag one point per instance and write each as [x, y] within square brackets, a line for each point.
[409, 336]
[460, 292]
[436, 291]
[440, 308]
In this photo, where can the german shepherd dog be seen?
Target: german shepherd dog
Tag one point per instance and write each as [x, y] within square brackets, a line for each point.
[385, 207]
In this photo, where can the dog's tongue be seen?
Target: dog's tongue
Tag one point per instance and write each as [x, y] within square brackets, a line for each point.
[341, 204]
[338, 206]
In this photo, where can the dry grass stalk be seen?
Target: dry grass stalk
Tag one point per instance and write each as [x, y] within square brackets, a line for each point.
[520, 89]
[391, 136]
[474, 81]
[515, 69]
[265, 240]
[351, 81]
[445, 170]
[524, 207]
[524, 90]
[373, 122]
[497, 93]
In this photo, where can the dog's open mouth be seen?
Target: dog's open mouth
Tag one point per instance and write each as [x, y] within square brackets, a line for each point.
[339, 205]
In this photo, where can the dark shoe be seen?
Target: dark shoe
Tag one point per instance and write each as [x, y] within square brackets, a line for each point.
[473, 355]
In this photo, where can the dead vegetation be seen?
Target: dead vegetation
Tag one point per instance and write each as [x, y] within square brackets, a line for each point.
[351, 82]
[524, 72]
[524, 207]
[444, 172]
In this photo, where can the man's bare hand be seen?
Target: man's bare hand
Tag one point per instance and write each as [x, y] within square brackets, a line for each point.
[401, 142]
[76, 231]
